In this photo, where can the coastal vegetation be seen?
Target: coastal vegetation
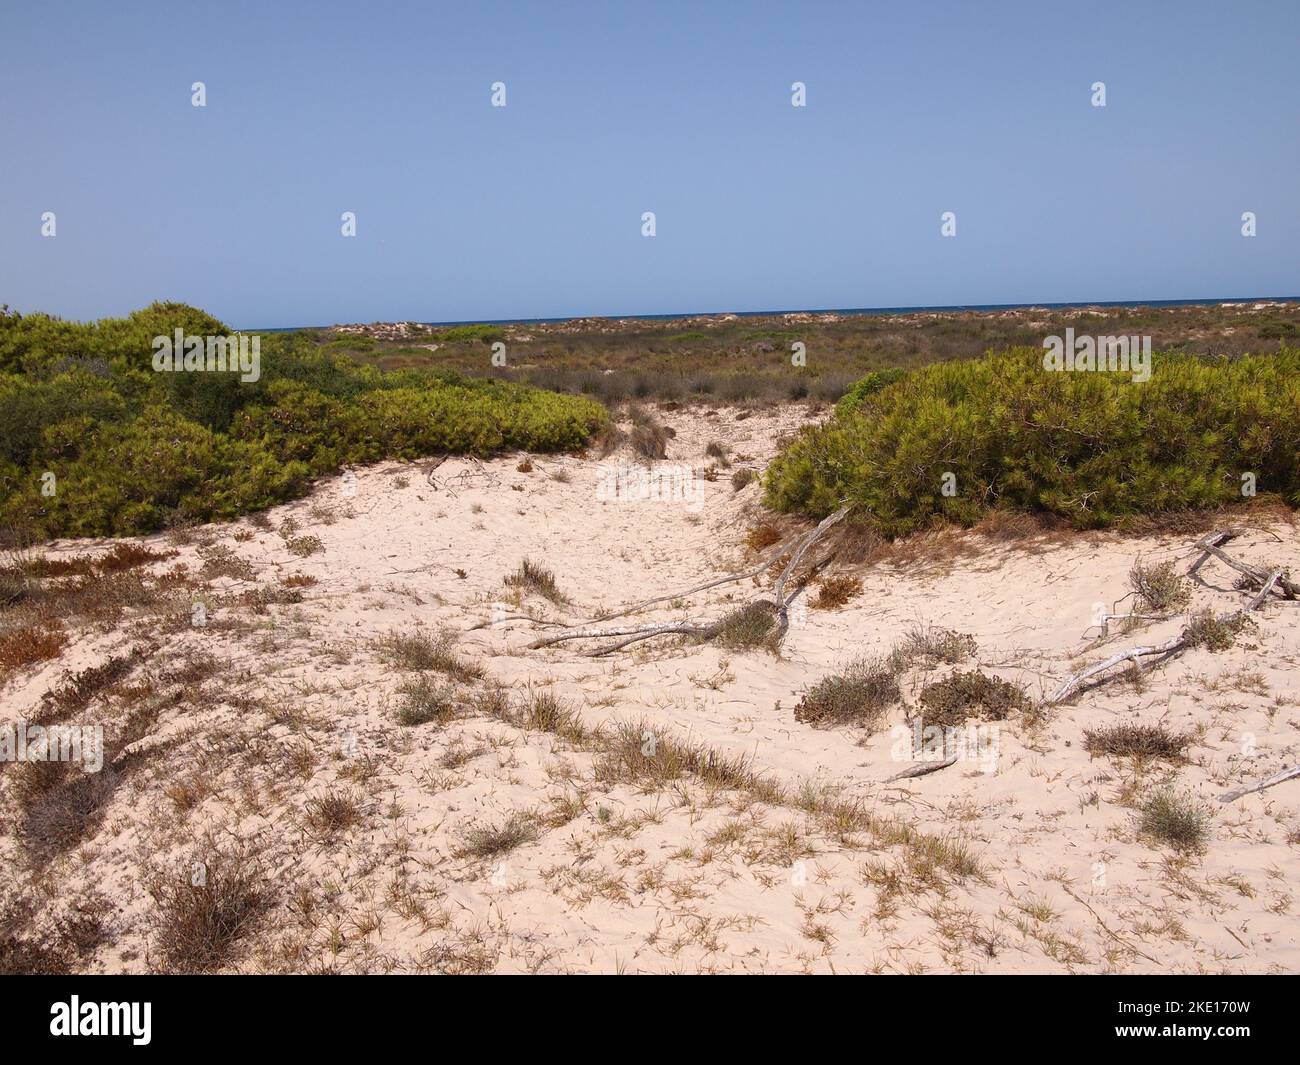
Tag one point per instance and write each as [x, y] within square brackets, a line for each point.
[94, 441]
[950, 442]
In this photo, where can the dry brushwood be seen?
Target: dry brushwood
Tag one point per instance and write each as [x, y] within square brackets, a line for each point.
[778, 605]
[1209, 547]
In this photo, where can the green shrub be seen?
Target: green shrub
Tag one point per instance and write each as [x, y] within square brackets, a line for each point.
[853, 399]
[132, 450]
[1093, 448]
[486, 333]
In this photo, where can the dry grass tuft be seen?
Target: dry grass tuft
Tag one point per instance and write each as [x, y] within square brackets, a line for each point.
[421, 651]
[334, 812]
[836, 591]
[530, 577]
[858, 696]
[1176, 819]
[544, 712]
[422, 701]
[1143, 742]
[489, 841]
[203, 914]
[763, 535]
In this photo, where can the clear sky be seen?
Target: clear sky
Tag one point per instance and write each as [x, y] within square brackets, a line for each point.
[469, 212]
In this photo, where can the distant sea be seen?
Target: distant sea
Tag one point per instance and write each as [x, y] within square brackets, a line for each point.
[837, 310]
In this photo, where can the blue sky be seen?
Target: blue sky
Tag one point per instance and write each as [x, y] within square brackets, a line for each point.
[469, 212]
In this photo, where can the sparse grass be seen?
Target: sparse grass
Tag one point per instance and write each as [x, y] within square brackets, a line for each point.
[1206, 629]
[422, 701]
[930, 645]
[1176, 819]
[334, 812]
[746, 627]
[60, 804]
[202, 913]
[489, 841]
[646, 756]
[959, 696]
[419, 651]
[859, 695]
[55, 952]
[78, 689]
[836, 591]
[1143, 742]
[530, 577]
[1159, 588]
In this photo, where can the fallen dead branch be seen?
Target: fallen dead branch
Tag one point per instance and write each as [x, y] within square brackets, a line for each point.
[1209, 547]
[922, 769]
[778, 604]
[1268, 782]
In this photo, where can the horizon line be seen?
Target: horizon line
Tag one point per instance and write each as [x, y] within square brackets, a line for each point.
[847, 311]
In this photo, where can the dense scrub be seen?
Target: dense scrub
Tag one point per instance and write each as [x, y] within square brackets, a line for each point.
[1090, 447]
[131, 449]
[724, 359]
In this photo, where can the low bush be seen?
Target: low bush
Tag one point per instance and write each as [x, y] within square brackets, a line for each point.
[1159, 587]
[858, 696]
[1094, 448]
[1144, 742]
[1175, 819]
[960, 696]
[94, 442]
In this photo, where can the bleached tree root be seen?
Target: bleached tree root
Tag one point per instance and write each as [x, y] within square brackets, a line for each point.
[779, 604]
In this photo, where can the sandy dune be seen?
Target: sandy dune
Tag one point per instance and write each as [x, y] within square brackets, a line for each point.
[625, 871]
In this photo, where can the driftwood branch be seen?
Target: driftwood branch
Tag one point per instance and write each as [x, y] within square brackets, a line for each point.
[1209, 547]
[729, 579]
[922, 769]
[1134, 654]
[778, 604]
[1276, 778]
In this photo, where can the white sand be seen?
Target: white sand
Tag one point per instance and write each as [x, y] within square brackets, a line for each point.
[681, 879]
